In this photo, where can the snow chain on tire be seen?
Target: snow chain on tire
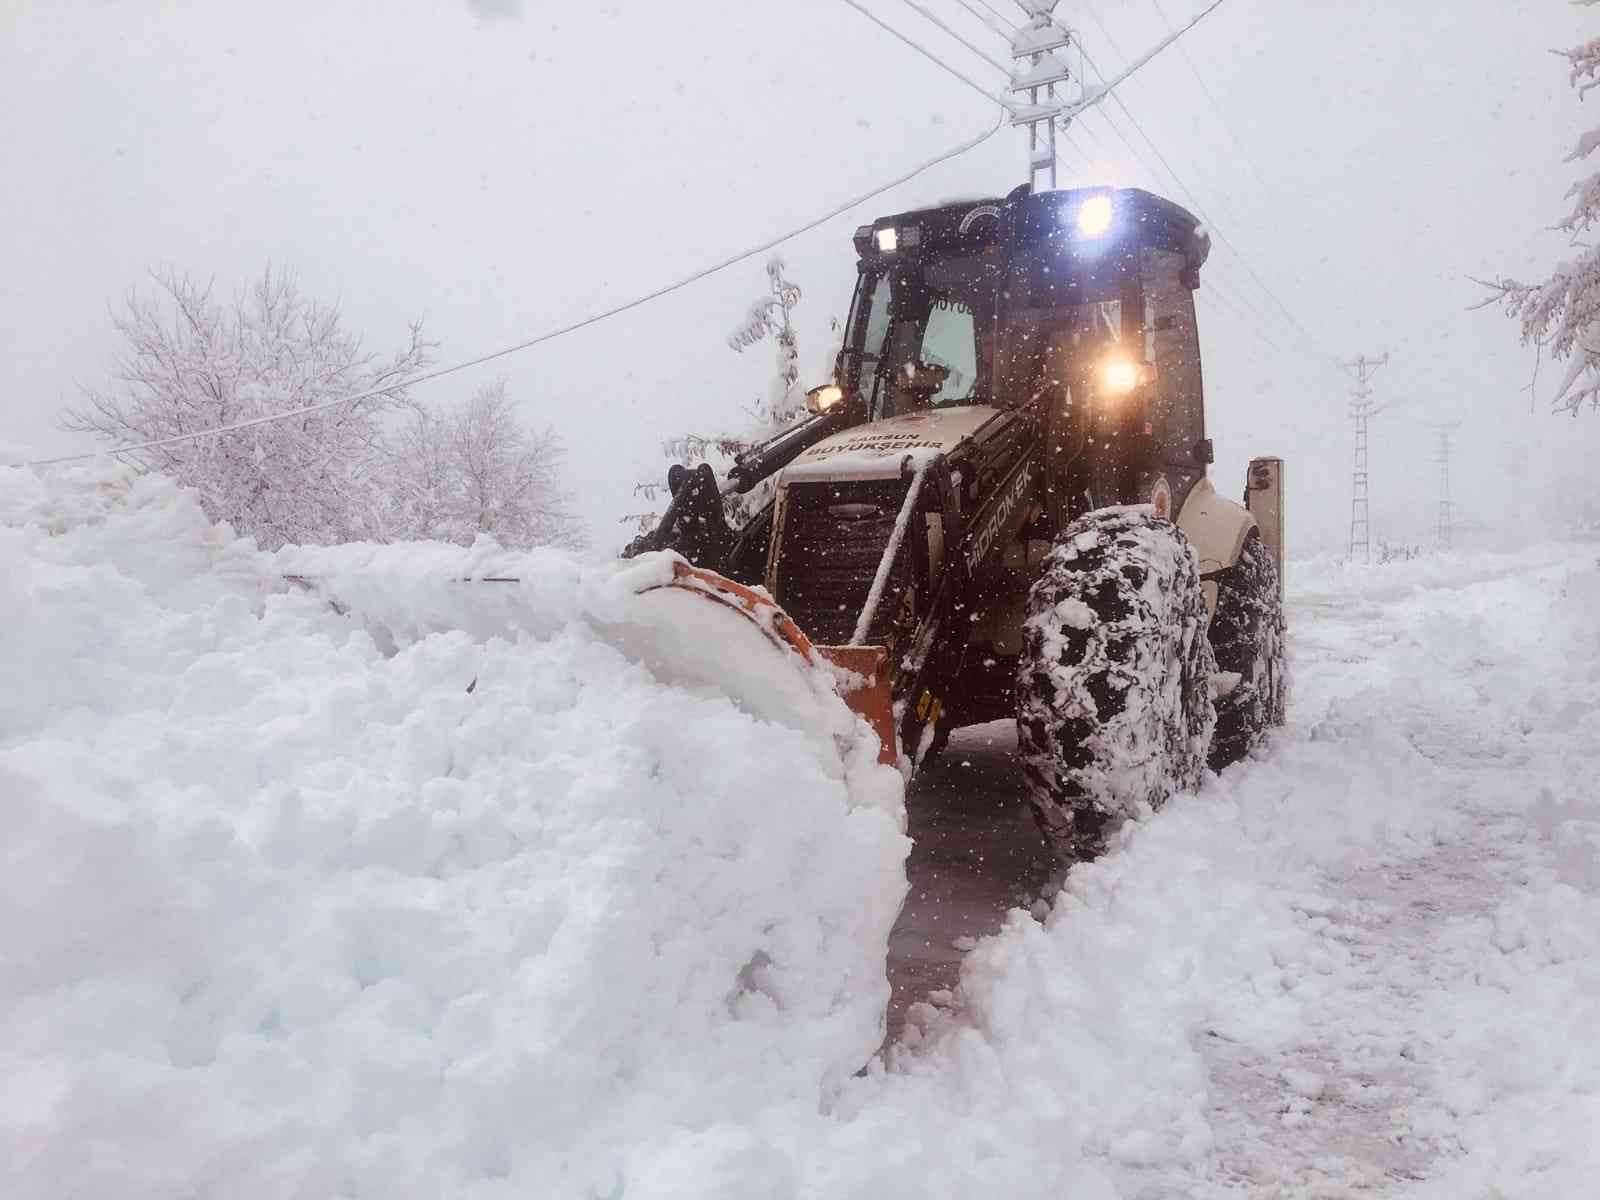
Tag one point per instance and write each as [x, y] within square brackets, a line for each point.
[1248, 641]
[1114, 704]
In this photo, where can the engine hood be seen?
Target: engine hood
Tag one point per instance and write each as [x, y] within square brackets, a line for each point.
[876, 451]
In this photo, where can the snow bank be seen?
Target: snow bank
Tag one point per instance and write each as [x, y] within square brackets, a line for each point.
[1246, 994]
[1331, 574]
[15, 453]
[1516, 1062]
[447, 895]
[397, 885]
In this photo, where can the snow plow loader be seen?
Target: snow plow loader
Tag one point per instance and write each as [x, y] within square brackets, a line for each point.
[999, 508]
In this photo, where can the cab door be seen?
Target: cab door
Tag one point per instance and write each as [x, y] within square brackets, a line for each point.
[1175, 409]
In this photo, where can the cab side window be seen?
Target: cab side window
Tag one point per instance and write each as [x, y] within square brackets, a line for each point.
[950, 341]
[1172, 343]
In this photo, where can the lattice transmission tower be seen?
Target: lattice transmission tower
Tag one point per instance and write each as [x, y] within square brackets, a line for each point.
[1361, 410]
[1441, 456]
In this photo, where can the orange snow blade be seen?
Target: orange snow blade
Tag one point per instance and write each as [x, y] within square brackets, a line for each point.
[869, 697]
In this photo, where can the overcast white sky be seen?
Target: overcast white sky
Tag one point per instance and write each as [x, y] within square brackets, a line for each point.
[499, 168]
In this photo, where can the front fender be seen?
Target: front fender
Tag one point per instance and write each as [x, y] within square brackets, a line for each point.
[1216, 527]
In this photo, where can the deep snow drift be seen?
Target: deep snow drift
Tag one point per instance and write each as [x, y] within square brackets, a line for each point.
[287, 909]
[284, 910]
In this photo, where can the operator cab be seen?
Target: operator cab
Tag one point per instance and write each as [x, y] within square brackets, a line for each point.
[1074, 305]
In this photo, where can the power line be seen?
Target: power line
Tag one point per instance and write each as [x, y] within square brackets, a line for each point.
[1105, 32]
[1227, 126]
[551, 335]
[1248, 302]
[1072, 141]
[1000, 67]
[1233, 311]
[1069, 129]
[1245, 308]
[1244, 303]
[1187, 190]
[994, 24]
[912, 4]
[927, 54]
[1221, 236]
[1246, 311]
[1176, 178]
[1125, 140]
[1242, 307]
[992, 9]
[1227, 129]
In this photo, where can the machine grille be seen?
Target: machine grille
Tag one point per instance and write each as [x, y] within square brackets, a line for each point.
[833, 537]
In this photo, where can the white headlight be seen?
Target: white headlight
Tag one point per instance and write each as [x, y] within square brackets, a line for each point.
[1094, 216]
[888, 240]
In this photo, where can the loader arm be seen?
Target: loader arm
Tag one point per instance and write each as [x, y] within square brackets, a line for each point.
[695, 524]
[772, 455]
[932, 663]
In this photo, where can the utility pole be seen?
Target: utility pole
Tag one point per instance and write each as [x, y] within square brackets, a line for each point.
[1441, 456]
[1040, 69]
[1361, 411]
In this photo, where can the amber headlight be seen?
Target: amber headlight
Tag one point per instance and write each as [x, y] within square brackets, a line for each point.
[1118, 375]
[821, 399]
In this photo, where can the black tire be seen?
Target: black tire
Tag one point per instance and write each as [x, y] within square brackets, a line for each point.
[1247, 638]
[1114, 705]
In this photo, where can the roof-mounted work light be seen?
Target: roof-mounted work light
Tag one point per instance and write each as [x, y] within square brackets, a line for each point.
[1092, 218]
[891, 239]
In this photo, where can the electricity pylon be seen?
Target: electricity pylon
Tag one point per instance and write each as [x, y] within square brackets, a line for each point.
[1441, 455]
[1361, 411]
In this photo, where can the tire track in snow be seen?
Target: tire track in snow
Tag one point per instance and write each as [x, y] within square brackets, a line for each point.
[1354, 1109]
[1351, 1111]
[976, 854]
[1392, 821]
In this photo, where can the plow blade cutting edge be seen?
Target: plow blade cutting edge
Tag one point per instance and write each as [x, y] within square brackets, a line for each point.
[862, 678]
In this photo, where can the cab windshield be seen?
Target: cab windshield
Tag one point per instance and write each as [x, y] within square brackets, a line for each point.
[932, 333]
[926, 334]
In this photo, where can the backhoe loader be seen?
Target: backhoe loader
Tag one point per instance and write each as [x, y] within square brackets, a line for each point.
[998, 508]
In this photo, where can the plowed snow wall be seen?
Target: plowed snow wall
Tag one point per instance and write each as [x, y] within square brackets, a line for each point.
[402, 886]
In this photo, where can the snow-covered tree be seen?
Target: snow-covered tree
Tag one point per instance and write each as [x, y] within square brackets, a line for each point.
[770, 316]
[191, 362]
[476, 470]
[1561, 314]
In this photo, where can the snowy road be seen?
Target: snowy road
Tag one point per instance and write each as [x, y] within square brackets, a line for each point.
[1449, 1044]
[1435, 839]
[975, 854]
[489, 892]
